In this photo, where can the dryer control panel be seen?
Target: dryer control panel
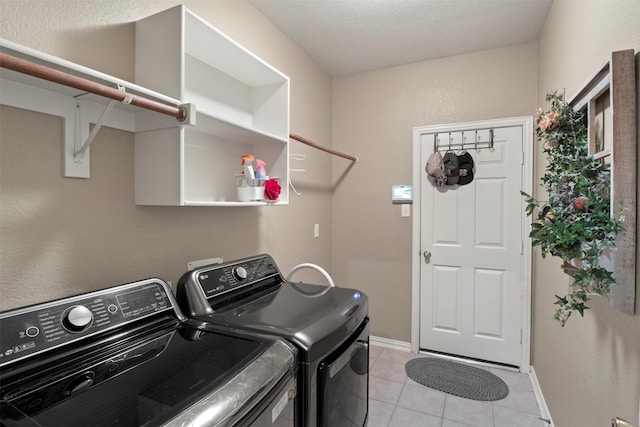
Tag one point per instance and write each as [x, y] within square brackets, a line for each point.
[201, 289]
[217, 280]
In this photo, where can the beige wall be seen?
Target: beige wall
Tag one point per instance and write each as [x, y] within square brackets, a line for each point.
[373, 117]
[590, 369]
[60, 236]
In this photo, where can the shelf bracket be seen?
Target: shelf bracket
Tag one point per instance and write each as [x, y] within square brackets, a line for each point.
[76, 126]
[79, 153]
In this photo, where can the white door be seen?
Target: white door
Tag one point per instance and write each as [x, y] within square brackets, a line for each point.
[472, 286]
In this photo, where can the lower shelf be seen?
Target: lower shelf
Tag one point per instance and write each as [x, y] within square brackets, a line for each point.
[184, 167]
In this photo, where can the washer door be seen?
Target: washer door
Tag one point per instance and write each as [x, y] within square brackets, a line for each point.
[149, 382]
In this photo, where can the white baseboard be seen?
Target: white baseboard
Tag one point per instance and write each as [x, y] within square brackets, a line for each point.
[394, 344]
[542, 404]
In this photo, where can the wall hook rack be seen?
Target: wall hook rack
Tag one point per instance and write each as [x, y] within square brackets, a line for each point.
[450, 145]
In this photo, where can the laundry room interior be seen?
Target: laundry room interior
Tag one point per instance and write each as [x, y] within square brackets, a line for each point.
[353, 140]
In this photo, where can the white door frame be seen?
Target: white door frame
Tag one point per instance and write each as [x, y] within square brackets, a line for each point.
[527, 184]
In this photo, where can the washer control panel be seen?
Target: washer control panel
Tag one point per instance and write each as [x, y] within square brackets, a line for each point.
[226, 277]
[34, 329]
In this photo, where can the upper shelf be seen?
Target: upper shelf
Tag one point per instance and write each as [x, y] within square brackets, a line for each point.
[27, 66]
[180, 54]
[40, 82]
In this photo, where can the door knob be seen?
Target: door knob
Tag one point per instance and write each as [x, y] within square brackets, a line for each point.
[427, 255]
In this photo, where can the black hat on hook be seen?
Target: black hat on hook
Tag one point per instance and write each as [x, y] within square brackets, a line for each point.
[451, 168]
[465, 170]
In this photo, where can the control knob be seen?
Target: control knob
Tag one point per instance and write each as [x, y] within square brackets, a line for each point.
[240, 273]
[77, 318]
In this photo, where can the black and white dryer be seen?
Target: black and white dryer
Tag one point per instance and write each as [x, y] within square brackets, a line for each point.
[328, 325]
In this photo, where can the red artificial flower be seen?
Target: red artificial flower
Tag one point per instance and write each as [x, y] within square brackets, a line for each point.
[272, 189]
[580, 203]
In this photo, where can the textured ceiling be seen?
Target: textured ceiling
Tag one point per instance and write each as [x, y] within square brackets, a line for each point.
[352, 36]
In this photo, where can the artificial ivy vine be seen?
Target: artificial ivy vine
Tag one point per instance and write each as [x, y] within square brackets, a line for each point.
[575, 224]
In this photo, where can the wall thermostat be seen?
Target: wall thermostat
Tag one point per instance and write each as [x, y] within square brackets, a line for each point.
[402, 194]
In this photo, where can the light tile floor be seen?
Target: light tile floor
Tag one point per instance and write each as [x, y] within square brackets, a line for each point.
[397, 401]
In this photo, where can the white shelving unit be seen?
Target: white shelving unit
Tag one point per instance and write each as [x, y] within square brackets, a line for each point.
[242, 107]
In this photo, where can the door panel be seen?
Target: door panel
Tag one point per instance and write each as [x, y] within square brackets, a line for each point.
[443, 302]
[489, 288]
[489, 223]
[471, 286]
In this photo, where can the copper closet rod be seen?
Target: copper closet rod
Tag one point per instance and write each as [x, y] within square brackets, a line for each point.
[180, 113]
[322, 148]
[52, 75]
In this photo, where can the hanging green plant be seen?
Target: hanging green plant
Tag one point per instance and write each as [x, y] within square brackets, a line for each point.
[575, 224]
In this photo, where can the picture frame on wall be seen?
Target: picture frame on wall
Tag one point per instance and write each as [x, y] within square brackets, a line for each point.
[608, 101]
